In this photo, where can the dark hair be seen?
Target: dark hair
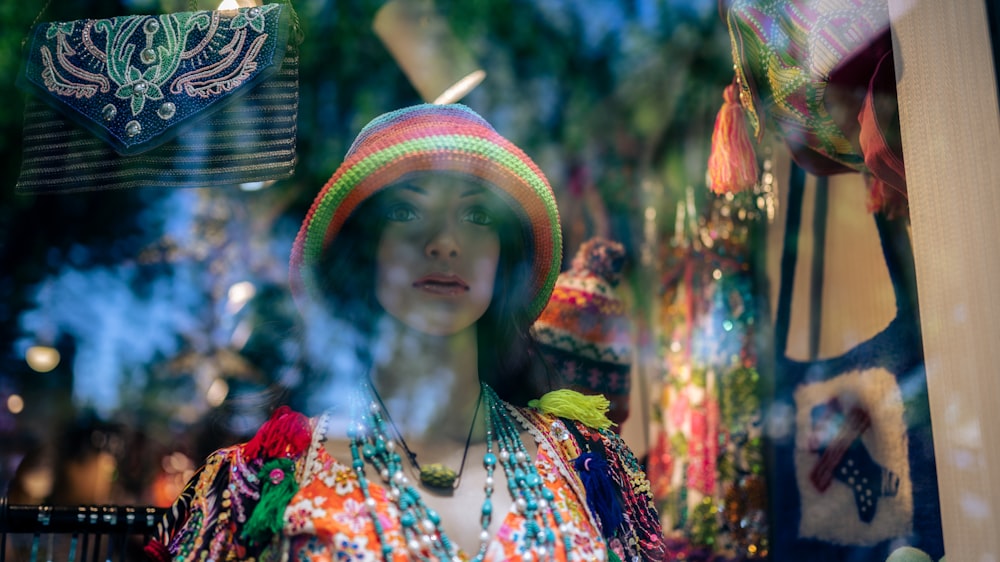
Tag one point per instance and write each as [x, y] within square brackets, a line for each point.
[506, 351]
[346, 275]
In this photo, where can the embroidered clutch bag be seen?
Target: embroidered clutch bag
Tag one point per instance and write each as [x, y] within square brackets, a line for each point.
[790, 56]
[189, 99]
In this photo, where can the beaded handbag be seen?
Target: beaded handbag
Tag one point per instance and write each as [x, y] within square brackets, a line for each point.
[785, 53]
[188, 99]
[802, 70]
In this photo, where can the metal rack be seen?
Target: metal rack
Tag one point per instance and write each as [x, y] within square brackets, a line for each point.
[83, 533]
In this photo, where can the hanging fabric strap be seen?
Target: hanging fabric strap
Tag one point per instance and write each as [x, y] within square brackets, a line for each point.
[789, 259]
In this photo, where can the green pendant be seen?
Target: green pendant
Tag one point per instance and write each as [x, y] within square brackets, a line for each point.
[438, 476]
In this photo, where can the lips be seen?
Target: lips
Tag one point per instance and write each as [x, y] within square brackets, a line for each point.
[441, 284]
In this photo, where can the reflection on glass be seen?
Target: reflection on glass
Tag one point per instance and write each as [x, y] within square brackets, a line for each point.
[438, 66]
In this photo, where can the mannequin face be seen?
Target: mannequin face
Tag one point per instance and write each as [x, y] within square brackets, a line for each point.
[437, 258]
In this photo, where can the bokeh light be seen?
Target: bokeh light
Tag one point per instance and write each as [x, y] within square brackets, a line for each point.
[41, 358]
[15, 404]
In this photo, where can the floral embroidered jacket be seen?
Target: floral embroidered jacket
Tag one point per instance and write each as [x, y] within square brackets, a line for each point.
[327, 520]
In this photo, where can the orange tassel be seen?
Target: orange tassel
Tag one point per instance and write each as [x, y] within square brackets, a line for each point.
[886, 199]
[732, 165]
[876, 194]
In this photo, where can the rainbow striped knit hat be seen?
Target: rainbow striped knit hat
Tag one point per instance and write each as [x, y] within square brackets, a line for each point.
[425, 138]
[584, 333]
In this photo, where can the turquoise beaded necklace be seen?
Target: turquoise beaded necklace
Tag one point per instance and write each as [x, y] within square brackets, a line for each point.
[421, 525]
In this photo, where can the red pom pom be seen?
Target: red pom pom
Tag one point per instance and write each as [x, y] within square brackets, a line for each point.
[156, 551]
[286, 434]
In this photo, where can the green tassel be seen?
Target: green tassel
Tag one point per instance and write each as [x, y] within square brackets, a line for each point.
[277, 490]
[588, 409]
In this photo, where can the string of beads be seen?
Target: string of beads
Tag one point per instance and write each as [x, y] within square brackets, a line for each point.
[421, 526]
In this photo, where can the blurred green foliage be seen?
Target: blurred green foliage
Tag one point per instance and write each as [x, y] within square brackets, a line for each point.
[625, 90]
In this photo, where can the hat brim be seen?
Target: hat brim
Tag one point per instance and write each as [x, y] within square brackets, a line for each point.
[494, 161]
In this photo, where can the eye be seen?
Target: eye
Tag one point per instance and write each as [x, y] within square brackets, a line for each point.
[480, 216]
[401, 213]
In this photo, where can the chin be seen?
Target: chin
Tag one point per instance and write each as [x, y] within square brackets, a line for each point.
[438, 326]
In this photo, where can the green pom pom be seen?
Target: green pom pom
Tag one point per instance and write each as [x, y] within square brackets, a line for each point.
[277, 490]
[587, 409]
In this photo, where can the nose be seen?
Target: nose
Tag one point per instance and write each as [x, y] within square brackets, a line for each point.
[442, 243]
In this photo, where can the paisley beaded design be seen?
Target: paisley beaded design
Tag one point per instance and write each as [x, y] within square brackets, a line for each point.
[133, 80]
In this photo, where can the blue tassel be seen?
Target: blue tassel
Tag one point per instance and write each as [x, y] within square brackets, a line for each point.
[601, 495]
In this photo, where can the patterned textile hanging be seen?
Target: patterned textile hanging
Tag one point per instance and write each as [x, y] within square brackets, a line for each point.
[818, 75]
[706, 465]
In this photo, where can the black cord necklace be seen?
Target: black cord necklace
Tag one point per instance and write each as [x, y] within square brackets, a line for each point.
[435, 475]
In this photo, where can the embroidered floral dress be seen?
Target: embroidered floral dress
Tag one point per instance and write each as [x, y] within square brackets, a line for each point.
[327, 519]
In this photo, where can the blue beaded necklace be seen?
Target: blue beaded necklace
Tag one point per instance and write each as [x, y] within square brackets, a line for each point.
[421, 525]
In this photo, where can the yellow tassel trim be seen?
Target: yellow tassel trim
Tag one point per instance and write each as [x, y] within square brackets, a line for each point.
[589, 410]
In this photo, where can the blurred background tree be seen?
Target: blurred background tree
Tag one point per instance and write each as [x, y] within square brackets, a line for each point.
[169, 309]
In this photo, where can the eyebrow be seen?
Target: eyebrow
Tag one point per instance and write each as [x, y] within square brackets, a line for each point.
[474, 190]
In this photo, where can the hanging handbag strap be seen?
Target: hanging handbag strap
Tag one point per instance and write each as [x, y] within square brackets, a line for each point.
[34, 22]
[903, 330]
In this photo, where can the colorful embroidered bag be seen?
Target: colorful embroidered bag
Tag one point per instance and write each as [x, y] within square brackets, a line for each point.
[188, 99]
[803, 68]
